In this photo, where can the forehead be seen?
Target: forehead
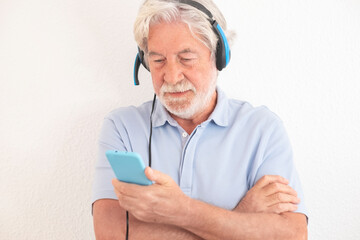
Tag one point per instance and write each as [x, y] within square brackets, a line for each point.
[174, 36]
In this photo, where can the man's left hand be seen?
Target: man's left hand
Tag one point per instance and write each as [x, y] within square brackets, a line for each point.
[271, 194]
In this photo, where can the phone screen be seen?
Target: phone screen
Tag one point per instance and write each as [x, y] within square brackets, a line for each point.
[128, 167]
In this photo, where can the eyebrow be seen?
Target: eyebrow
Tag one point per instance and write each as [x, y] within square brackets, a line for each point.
[154, 54]
[186, 50]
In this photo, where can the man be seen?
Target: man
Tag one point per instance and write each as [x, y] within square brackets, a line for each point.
[219, 166]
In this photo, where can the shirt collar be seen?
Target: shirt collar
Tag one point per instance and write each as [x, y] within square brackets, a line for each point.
[161, 116]
[219, 116]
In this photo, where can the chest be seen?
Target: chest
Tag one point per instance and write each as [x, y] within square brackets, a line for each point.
[211, 166]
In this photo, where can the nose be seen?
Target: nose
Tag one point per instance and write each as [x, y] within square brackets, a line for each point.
[173, 73]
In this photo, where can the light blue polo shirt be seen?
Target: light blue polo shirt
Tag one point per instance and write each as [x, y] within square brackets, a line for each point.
[217, 163]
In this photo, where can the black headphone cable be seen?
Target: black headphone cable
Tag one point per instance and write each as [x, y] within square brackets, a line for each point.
[151, 114]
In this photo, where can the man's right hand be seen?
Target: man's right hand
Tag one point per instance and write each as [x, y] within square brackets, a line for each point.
[271, 194]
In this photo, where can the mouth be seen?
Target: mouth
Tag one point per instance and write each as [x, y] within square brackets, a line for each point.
[177, 94]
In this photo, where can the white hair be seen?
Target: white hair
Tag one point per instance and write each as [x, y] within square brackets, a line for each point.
[156, 11]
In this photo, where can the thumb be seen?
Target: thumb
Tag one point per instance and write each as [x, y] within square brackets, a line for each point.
[157, 176]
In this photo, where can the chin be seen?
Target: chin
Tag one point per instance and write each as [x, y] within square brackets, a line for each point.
[186, 110]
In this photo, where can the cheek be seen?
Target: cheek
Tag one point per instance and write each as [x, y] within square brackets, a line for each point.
[157, 82]
[200, 80]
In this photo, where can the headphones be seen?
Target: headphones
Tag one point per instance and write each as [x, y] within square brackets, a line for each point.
[222, 55]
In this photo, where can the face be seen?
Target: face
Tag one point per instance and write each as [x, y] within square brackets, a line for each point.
[182, 70]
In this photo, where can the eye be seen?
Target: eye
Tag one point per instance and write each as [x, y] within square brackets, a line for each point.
[187, 59]
[158, 60]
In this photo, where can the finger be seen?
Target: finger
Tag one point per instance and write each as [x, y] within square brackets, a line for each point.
[276, 187]
[128, 194]
[279, 198]
[157, 176]
[268, 179]
[281, 208]
[115, 182]
[118, 189]
[119, 185]
[126, 189]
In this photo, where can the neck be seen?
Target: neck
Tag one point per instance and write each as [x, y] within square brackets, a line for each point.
[190, 124]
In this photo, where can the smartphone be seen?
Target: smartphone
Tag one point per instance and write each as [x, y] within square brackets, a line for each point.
[128, 167]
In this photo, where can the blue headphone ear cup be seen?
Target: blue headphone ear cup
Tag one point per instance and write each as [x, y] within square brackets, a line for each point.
[223, 53]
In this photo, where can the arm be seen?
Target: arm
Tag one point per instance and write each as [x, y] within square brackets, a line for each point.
[211, 222]
[110, 223]
[164, 203]
[270, 194]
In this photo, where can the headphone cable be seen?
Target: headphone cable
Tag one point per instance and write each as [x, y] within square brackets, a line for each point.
[151, 114]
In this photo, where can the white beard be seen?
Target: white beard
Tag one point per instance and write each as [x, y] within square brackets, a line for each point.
[186, 107]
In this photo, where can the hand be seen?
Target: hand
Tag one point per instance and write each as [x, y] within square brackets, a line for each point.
[161, 202]
[271, 194]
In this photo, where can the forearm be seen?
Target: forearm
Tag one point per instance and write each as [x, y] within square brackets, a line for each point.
[143, 230]
[110, 223]
[165, 203]
[210, 222]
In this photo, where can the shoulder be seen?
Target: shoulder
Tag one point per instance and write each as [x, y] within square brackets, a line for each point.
[130, 114]
[244, 112]
[127, 121]
[127, 128]
[238, 112]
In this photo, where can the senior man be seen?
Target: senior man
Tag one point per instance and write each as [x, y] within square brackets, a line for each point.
[221, 168]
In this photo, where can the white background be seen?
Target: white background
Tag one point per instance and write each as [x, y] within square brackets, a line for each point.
[64, 64]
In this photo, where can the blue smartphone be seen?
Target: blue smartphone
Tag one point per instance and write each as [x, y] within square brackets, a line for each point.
[128, 167]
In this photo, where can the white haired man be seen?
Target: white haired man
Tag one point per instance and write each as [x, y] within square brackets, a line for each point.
[219, 165]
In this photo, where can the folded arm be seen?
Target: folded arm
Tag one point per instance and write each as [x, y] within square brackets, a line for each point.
[211, 222]
[162, 210]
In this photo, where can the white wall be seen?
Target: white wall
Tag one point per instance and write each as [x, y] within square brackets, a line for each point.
[64, 64]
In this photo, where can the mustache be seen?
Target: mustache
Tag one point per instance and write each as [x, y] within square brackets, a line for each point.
[182, 86]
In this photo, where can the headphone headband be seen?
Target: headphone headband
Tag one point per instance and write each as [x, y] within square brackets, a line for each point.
[198, 6]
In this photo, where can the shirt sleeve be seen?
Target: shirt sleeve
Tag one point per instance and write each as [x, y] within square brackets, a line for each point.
[277, 159]
[110, 139]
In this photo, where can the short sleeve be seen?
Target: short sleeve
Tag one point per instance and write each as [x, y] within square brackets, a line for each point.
[278, 160]
[110, 139]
